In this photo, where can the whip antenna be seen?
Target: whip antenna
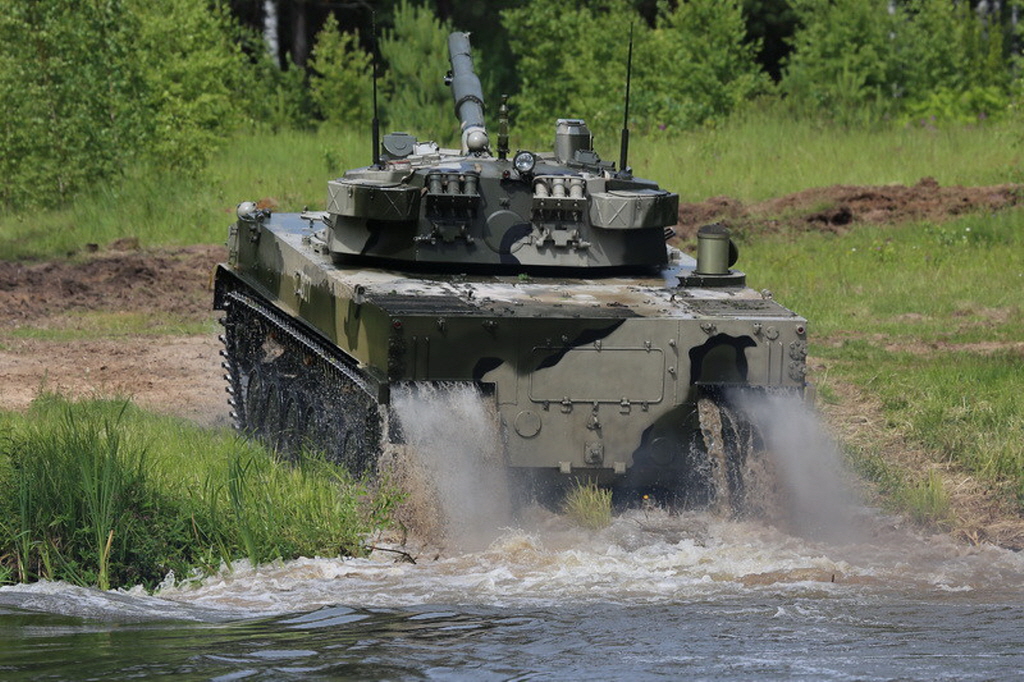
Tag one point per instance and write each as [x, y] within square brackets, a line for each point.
[624, 146]
[375, 125]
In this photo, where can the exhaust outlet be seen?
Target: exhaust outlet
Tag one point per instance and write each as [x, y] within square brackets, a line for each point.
[716, 252]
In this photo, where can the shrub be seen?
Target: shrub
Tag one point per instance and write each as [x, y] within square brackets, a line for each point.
[195, 76]
[87, 88]
[691, 68]
[416, 52]
[67, 82]
[340, 76]
[700, 67]
[923, 58]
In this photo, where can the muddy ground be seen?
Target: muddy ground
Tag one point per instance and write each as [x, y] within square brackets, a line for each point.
[173, 373]
[179, 373]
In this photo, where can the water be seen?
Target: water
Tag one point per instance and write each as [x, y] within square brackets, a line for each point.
[690, 595]
[653, 595]
[451, 464]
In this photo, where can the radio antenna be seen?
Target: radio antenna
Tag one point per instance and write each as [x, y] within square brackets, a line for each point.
[624, 145]
[375, 125]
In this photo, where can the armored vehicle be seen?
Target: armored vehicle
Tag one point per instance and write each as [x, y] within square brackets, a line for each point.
[544, 278]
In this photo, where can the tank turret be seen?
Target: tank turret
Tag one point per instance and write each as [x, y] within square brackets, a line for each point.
[436, 208]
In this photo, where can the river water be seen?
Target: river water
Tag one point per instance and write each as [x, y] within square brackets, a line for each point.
[654, 595]
[827, 590]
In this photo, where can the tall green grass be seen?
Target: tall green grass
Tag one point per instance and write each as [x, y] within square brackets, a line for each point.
[289, 170]
[957, 281]
[101, 493]
[588, 506]
[756, 155]
[761, 154]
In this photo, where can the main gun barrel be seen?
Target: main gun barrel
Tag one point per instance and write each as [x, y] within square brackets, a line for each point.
[467, 93]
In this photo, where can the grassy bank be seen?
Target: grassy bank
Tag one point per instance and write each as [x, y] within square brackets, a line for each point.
[928, 319]
[753, 157]
[102, 493]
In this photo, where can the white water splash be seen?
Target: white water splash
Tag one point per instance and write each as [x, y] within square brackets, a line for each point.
[812, 497]
[644, 557]
[452, 464]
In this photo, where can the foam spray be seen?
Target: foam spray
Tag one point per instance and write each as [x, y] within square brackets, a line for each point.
[801, 482]
[452, 463]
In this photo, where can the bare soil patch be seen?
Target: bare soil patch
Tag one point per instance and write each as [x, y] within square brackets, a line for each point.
[837, 208]
[174, 281]
[173, 374]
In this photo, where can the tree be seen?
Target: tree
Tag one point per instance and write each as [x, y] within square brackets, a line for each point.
[843, 56]
[702, 67]
[196, 78]
[340, 76]
[89, 87]
[67, 84]
[694, 66]
[919, 57]
[416, 52]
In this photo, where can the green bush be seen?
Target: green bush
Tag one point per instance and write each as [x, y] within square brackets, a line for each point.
[700, 67]
[570, 62]
[946, 105]
[843, 60]
[195, 78]
[691, 68]
[340, 79]
[855, 60]
[88, 88]
[412, 96]
[67, 83]
[416, 52]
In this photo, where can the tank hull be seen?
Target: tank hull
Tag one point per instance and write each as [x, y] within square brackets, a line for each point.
[591, 378]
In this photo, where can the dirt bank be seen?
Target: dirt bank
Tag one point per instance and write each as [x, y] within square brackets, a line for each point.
[164, 371]
[839, 207]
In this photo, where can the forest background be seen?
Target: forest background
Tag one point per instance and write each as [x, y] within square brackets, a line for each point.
[90, 90]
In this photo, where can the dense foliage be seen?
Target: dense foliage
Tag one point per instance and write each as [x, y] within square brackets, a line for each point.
[87, 88]
[416, 52]
[340, 76]
[91, 88]
[693, 65]
[930, 59]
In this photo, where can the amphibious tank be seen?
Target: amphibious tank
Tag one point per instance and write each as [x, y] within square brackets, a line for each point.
[542, 277]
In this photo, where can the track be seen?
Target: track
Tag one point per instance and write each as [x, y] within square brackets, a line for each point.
[292, 391]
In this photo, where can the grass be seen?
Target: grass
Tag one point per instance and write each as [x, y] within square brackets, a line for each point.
[927, 502]
[928, 318]
[107, 324]
[756, 155]
[588, 506]
[762, 155]
[289, 169]
[101, 493]
[909, 283]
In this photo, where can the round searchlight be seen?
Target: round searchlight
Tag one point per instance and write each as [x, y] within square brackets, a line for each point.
[524, 162]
